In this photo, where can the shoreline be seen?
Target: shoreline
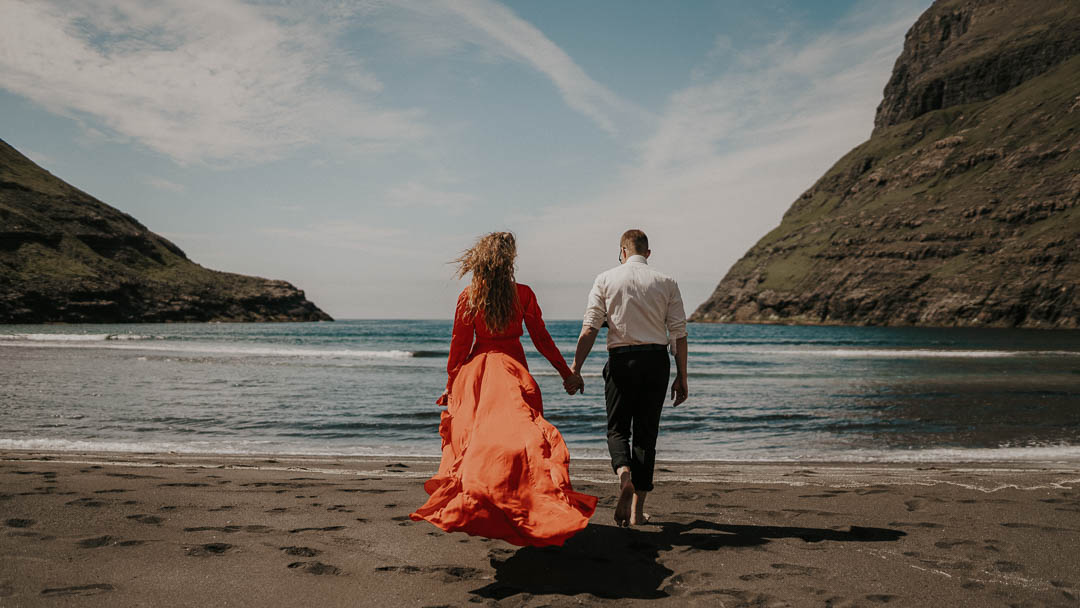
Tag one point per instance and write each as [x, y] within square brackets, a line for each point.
[1048, 455]
[120, 529]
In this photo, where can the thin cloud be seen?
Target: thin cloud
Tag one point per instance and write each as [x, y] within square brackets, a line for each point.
[164, 184]
[417, 194]
[732, 151]
[447, 25]
[220, 82]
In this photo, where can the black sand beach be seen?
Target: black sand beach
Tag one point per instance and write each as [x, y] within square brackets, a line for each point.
[171, 530]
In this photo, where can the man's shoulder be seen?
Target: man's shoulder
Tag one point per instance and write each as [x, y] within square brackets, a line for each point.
[607, 274]
[658, 276]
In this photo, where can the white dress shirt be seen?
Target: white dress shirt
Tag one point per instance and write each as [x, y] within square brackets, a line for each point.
[640, 305]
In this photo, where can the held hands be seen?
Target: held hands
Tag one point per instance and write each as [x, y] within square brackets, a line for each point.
[444, 398]
[679, 390]
[574, 384]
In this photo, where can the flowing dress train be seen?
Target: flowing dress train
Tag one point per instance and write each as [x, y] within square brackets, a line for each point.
[505, 469]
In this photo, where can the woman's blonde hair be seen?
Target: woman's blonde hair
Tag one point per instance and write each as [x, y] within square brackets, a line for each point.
[493, 291]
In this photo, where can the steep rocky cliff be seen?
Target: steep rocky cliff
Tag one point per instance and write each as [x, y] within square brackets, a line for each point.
[962, 209]
[67, 257]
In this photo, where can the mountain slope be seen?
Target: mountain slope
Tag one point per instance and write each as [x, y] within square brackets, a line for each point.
[962, 209]
[68, 257]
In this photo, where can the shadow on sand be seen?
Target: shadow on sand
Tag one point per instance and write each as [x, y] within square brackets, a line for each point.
[611, 562]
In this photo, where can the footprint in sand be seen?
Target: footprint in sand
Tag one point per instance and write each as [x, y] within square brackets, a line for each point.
[972, 585]
[317, 568]
[917, 524]
[146, 519]
[949, 544]
[326, 529]
[448, 574]
[78, 590]
[85, 502]
[19, 523]
[209, 549]
[301, 551]
[914, 505]
[796, 570]
[1008, 567]
[107, 541]
[231, 529]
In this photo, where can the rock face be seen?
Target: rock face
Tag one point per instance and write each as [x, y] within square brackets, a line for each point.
[962, 209]
[67, 257]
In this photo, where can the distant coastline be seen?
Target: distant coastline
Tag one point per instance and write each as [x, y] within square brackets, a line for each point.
[66, 257]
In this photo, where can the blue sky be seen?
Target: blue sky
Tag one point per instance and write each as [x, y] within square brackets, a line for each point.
[353, 148]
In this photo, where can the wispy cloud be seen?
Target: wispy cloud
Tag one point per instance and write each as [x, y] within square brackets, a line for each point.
[734, 149]
[211, 82]
[417, 194]
[446, 25]
[164, 184]
[344, 234]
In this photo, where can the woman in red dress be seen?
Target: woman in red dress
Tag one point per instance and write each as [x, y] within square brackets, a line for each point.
[505, 469]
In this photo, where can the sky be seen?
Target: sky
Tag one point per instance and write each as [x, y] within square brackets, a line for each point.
[355, 148]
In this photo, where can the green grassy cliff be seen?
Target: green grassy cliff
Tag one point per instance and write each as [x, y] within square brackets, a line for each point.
[68, 257]
[962, 209]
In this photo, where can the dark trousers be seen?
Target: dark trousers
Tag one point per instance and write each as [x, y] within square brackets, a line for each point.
[635, 385]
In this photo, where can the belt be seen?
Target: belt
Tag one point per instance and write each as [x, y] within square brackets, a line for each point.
[618, 350]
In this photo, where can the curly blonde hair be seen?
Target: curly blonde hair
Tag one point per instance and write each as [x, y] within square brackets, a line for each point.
[493, 291]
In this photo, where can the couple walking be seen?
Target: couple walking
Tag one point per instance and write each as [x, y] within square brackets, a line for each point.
[505, 469]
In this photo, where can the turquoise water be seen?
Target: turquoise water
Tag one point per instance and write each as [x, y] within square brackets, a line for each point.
[368, 387]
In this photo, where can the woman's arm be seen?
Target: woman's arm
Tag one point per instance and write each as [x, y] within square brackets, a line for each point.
[541, 339]
[460, 343]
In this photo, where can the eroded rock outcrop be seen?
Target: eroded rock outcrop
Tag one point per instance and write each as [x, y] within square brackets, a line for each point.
[963, 208]
[68, 257]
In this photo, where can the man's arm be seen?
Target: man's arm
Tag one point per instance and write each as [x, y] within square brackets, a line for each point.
[595, 315]
[679, 388]
[676, 326]
[584, 346]
[575, 383]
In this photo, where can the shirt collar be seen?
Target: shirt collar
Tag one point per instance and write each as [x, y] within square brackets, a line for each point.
[640, 259]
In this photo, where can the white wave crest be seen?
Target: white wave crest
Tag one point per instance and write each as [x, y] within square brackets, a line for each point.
[184, 348]
[74, 337]
[878, 353]
[237, 447]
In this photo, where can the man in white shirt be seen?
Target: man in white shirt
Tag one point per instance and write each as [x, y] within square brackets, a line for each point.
[643, 311]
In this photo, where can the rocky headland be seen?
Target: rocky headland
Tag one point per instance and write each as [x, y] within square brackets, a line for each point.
[963, 207]
[68, 257]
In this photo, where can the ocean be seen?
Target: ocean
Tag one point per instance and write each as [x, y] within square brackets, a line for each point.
[367, 387]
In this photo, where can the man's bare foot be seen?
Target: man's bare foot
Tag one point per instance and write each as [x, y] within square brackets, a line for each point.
[638, 516]
[626, 496]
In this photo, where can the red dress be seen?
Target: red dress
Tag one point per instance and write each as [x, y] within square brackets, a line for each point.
[505, 469]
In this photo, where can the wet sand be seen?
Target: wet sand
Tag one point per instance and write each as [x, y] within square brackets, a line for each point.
[180, 530]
